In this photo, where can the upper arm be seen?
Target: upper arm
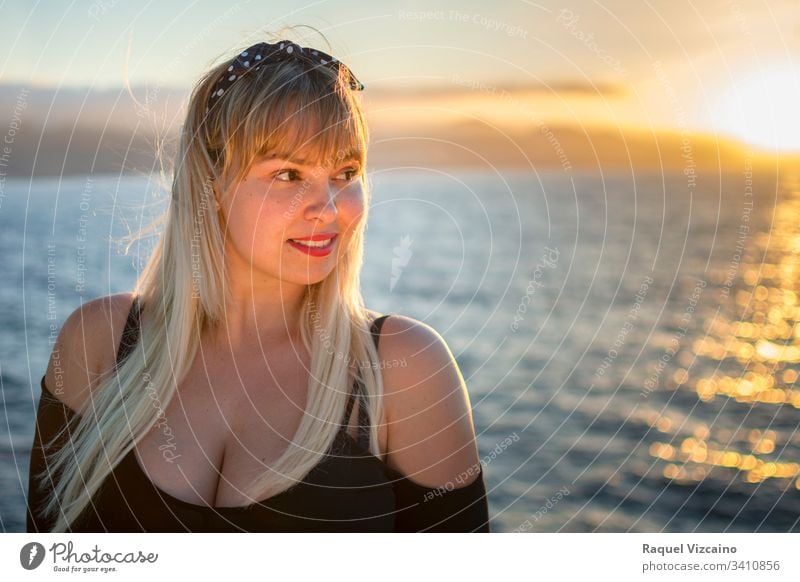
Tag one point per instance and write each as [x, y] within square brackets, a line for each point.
[86, 347]
[431, 436]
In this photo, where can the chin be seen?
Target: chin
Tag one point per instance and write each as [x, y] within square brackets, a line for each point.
[307, 278]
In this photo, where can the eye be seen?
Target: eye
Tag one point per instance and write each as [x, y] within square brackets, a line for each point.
[352, 173]
[294, 173]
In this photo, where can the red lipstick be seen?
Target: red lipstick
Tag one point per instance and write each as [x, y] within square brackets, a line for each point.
[315, 251]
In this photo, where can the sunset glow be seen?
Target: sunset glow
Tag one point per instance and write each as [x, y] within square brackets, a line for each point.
[761, 109]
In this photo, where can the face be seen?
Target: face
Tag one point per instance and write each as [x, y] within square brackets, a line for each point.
[280, 201]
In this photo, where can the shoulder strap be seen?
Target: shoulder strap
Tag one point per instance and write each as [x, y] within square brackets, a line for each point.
[363, 416]
[130, 335]
[375, 328]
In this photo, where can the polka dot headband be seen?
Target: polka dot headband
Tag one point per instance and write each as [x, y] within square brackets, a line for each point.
[284, 50]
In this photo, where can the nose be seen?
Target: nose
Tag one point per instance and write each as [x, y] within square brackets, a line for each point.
[322, 202]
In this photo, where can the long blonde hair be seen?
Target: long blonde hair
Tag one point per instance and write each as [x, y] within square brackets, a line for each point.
[278, 108]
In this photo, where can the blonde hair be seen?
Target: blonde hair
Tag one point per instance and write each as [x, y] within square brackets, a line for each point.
[277, 108]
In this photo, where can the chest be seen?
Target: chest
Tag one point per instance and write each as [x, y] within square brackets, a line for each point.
[227, 421]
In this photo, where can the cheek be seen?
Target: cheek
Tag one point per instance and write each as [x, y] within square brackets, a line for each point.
[255, 221]
[351, 207]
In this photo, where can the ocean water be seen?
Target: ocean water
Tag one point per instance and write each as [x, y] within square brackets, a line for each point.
[629, 341]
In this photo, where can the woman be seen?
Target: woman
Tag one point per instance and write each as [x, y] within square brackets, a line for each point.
[249, 391]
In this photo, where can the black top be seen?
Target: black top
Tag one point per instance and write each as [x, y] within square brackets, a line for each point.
[349, 490]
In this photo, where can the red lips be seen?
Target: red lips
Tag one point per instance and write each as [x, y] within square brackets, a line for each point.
[315, 237]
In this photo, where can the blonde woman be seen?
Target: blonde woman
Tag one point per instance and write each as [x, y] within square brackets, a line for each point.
[243, 385]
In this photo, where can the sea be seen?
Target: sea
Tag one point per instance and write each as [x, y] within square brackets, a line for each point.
[629, 339]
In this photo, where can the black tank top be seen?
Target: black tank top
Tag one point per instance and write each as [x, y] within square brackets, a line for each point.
[349, 490]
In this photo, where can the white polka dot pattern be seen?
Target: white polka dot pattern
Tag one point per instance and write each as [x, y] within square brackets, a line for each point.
[280, 51]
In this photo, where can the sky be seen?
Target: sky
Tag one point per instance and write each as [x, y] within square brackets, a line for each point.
[727, 66]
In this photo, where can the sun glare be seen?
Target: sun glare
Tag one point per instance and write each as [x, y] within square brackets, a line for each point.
[762, 109]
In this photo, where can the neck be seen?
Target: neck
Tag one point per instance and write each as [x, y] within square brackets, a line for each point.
[266, 318]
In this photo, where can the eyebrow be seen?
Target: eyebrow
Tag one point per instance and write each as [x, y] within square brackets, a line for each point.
[351, 155]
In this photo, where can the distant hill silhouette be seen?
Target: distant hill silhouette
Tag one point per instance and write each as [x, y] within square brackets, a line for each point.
[82, 131]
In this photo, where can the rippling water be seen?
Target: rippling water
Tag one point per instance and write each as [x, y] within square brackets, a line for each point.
[630, 342]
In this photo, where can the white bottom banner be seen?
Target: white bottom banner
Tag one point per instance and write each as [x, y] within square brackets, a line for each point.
[405, 557]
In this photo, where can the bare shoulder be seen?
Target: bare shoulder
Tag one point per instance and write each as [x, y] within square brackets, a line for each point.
[431, 436]
[86, 348]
